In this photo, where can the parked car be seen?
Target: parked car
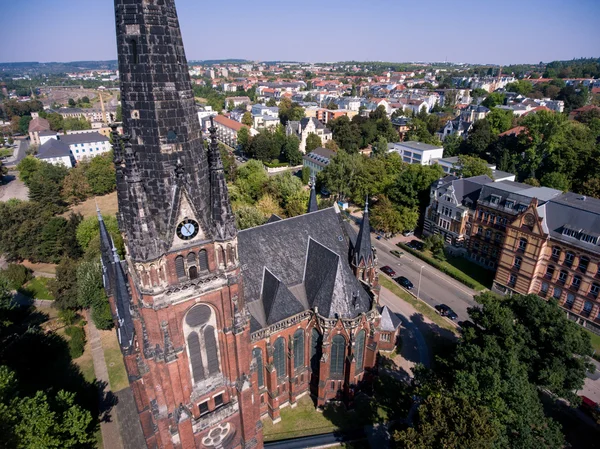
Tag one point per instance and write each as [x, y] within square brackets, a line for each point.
[415, 244]
[408, 233]
[446, 311]
[388, 270]
[404, 282]
[589, 406]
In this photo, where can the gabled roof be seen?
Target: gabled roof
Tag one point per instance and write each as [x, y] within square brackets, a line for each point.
[309, 255]
[53, 148]
[38, 124]
[74, 139]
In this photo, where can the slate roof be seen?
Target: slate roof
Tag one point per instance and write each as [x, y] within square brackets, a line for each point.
[53, 148]
[306, 120]
[518, 193]
[73, 139]
[389, 320]
[575, 212]
[363, 252]
[466, 190]
[312, 202]
[305, 256]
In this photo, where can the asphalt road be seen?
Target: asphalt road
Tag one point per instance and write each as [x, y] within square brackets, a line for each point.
[436, 287]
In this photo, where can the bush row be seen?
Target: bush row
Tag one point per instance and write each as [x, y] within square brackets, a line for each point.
[450, 271]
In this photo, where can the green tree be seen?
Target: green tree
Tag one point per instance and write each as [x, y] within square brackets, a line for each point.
[272, 102]
[24, 124]
[480, 138]
[493, 99]
[56, 121]
[500, 120]
[556, 180]
[283, 187]
[243, 139]
[445, 420]
[312, 141]
[478, 93]
[251, 179]
[452, 144]
[100, 174]
[522, 87]
[305, 175]
[16, 275]
[386, 217]
[119, 114]
[291, 150]
[345, 133]
[591, 188]
[64, 286]
[229, 164]
[45, 186]
[247, 119]
[297, 203]
[75, 187]
[289, 111]
[88, 235]
[72, 103]
[381, 147]
[76, 124]
[469, 166]
[248, 217]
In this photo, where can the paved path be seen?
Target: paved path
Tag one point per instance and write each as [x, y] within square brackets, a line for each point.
[414, 347]
[109, 427]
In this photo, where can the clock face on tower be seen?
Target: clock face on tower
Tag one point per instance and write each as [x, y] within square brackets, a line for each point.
[187, 229]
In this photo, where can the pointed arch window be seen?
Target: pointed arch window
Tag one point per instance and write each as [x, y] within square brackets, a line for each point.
[338, 349]
[192, 268]
[298, 349]
[316, 350]
[179, 267]
[202, 345]
[257, 355]
[203, 260]
[279, 357]
[359, 351]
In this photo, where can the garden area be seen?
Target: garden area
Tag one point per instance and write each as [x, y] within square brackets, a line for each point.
[37, 288]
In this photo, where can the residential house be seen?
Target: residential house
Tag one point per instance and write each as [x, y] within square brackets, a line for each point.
[237, 101]
[401, 124]
[456, 126]
[473, 113]
[417, 152]
[450, 166]
[317, 160]
[306, 126]
[499, 204]
[552, 250]
[36, 126]
[227, 130]
[82, 145]
[452, 206]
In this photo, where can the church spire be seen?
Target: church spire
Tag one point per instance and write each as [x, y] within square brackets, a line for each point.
[223, 219]
[312, 202]
[363, 251]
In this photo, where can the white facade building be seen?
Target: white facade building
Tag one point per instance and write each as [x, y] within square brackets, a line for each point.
[417, 152]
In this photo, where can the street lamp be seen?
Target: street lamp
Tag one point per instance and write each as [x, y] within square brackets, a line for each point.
[419, 287]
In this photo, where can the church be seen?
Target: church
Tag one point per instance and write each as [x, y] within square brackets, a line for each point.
[221, 328]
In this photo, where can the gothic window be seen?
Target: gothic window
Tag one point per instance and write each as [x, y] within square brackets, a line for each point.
[179, 267]
[203, 260]
[202, 346]
[359, 350]
[153, 276]
[298, 349]
[194, 348]
[338, 349]
[231, 253]
[211, 350]
[316, 349]
[257, 355]
[191, 259]
[222, 259]
[192, 268]
[193, 272]
[279, 357]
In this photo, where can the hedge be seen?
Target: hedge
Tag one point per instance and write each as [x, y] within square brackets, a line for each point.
[275, 164]
[76, 342]
[450, 271]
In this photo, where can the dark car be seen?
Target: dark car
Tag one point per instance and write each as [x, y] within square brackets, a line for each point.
[388, 270]
[415, 244]
[404, 282]
[446, 311]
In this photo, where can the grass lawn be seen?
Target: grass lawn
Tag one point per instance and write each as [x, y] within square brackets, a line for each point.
[86, 363]
[480, 275]
[114, 361]
[595, 342]
[4, 152]
[36, 289]
[420, 306]
[107, 204]
[304, 420]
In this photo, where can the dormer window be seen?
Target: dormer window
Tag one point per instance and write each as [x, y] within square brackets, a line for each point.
[509, 204]
[495, 199]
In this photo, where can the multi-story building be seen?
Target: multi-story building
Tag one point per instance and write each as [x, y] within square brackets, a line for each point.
[498, 205]
[227, 130]
[452, 206]
[317, 160]
[84, 145]
[306, 126]
[552, 249]
[420, 153]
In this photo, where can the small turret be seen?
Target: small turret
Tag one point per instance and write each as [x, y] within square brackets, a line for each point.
[363, 257]
[312, 203]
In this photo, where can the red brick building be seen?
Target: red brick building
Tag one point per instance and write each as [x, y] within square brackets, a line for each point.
[220, 328]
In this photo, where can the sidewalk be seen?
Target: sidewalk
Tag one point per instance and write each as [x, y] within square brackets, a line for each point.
[111, 436]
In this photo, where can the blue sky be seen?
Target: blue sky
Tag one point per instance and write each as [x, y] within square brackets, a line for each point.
[477, 31]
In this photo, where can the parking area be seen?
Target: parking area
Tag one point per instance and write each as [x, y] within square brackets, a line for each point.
[13, 187]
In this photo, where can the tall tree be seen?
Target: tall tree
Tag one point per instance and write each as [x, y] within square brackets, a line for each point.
[469, 166]
[247, 119]
[313, 141]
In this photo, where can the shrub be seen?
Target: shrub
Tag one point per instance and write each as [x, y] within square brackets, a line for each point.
[450, 271]
[17, 275]
[102, 314]
[76, 341]
[67, 316]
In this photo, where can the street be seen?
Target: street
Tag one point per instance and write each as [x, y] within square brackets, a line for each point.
[436, 287]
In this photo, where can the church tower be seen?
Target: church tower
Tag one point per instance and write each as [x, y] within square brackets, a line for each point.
[187, 350]
[363, 255]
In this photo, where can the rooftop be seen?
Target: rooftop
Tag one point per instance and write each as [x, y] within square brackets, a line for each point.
[417, 145]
